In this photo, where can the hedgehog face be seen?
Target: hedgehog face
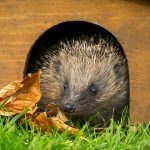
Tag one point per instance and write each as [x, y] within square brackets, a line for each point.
[91, 84]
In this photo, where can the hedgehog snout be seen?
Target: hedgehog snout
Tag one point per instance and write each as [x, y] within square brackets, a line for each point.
[69, 107]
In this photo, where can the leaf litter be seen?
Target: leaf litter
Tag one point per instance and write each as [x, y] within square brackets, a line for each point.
[19, 96]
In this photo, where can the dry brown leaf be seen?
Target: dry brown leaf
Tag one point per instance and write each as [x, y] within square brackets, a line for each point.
[41, 122]
[48, 124]
[5, 113]
[10, 90]
[25, 97]
[61, 126]
[99, 129]
[62, 116]
[51, 110]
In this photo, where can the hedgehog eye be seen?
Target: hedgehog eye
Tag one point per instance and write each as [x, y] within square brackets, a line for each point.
[65, 85]
[93, 90]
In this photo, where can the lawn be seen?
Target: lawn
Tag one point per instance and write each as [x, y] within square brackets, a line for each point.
[20, 137]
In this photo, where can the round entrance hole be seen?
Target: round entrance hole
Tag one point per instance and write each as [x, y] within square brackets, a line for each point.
[46, 47]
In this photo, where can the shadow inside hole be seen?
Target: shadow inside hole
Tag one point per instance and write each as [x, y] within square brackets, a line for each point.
[49, 39]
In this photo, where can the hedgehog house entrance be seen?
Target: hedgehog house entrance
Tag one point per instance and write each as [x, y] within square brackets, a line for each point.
[71, 29]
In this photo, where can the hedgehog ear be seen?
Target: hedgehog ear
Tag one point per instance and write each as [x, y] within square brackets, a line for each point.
[118, 67]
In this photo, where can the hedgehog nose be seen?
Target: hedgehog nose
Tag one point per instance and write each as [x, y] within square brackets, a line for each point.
[69, 108]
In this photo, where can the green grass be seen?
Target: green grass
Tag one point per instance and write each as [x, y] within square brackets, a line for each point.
[15, 137]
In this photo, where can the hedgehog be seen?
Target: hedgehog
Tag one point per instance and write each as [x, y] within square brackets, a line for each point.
[86, 78]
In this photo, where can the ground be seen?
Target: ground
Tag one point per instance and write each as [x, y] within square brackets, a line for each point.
[115, 137]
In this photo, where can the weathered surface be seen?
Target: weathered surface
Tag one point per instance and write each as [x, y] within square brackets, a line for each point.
[21, 23]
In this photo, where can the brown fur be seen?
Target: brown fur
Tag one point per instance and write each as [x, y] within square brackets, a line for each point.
[82, 63]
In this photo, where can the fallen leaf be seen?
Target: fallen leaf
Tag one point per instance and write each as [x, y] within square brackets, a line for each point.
[40, 122]
[24, 96]
[51, 110]
[62, 116]
[48, 124]
[61, 126]
[10, 89]
[99, 129]
[5, 113]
